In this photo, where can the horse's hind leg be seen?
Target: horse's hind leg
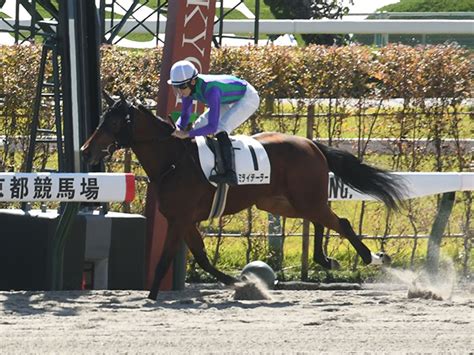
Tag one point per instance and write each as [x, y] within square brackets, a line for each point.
[348, 232]
[374, 259]
[324, 215]
[194, 242]
[319, 255]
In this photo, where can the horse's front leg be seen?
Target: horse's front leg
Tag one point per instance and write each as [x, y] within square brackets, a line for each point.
[174, 235]
[195, 244]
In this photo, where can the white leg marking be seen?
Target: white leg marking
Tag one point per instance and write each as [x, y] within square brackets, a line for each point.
[376, 259]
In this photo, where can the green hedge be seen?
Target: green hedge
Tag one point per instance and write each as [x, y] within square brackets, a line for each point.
[340, 74]
[412, 73]
[441, 71]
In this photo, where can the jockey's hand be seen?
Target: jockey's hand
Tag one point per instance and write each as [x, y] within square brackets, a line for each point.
[181, 134]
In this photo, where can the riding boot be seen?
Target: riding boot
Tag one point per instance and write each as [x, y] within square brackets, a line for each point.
[228, 176]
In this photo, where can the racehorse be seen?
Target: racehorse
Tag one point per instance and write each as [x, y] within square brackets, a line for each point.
[298, 186]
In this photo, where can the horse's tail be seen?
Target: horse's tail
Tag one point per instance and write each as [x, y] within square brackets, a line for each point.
[375, 182]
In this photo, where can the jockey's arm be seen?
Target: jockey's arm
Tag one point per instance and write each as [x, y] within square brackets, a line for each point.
[213, 98]
[186, 107]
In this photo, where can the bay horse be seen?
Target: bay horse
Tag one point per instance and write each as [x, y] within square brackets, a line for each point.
[298, 187]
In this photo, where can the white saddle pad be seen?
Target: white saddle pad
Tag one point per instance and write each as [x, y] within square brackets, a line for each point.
[252, 165]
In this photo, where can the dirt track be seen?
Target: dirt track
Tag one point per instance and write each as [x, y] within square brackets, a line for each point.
[378, 318]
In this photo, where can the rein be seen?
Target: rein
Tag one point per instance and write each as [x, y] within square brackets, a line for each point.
[176, 164]
[124, 139]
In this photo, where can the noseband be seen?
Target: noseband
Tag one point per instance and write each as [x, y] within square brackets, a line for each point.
[124, 137]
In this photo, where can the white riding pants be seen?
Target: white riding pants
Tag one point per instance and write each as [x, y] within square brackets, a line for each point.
[234, 114]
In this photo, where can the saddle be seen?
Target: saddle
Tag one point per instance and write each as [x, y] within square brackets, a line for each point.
[251, 164]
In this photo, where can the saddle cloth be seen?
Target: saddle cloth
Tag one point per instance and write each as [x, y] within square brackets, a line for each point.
[252, 165]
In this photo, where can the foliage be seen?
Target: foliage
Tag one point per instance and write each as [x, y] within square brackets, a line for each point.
[409, 9]
[311, 9]
[351, 90]
[429, 6]
[18, 65]
[134, 73]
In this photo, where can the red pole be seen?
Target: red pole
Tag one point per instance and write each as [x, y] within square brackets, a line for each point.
[189, 29]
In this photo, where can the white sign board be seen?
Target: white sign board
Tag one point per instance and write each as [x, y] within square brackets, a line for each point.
[77, 187]
[418, 185]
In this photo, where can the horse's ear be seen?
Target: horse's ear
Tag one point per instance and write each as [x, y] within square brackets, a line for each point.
[110, 101]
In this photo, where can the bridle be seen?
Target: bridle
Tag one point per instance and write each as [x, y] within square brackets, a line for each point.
[124, 137]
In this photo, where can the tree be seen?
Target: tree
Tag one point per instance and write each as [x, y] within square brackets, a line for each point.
[311, 9]
[430, 6]
[433, 6]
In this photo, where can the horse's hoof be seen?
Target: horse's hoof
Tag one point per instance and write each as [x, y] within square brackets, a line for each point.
[380, 258]
[334, 264]
[152, 295]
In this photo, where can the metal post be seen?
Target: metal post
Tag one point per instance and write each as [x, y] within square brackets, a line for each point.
[275, 240]
[275, 232]
[305, 251]
[305, 241]
[102, 20]
[221, 22]
[57, 108]
[81, 104]
[62, 232]
[257, 20]
[17, 22]
[36, 109]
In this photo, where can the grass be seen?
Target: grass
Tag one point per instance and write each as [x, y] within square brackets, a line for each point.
[350, 122]
[418, 221]
[233, 250]
[404, 252]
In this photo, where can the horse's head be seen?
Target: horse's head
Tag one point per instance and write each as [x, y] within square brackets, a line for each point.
[123, 125]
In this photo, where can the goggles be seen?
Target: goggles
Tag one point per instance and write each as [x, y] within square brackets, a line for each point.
[181, 86]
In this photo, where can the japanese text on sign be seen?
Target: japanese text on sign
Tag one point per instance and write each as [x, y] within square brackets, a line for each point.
[18, 187]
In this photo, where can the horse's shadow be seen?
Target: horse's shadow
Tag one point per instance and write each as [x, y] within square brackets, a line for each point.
[27, 303]
[210, 299]
[71, 303]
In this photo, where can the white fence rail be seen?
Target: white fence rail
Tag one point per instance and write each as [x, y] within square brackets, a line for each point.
[418, 185]
[311, 26]
[376, 145]
[353, 26]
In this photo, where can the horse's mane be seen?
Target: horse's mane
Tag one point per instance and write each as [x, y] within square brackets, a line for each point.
[156, 118]
[147, 111]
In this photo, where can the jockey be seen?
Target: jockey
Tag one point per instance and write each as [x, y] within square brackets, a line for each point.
[230, 102]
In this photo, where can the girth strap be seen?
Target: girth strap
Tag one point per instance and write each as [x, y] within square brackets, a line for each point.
[219, 201]
[220, 196]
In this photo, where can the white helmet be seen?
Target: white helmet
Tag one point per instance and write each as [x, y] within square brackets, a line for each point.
[182, 72]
